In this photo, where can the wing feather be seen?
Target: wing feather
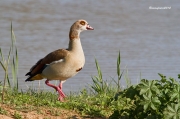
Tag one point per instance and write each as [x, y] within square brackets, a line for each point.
[42, 63]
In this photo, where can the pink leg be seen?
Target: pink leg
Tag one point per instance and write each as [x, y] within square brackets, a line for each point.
[59, 89]
[60, 85]
[63, 95]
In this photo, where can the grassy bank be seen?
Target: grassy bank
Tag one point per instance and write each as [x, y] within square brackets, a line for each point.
[151, 99]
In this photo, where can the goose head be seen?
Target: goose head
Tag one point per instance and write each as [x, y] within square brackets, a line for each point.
[78, 27]
[81, 25]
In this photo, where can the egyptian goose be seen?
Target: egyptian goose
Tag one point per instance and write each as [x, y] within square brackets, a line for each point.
[62, 63]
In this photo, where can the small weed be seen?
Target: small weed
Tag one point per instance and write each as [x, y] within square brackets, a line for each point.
[55, 112]
[39, 111]
[17, 115]
[99, 85]
[47, 118]
[2, 111]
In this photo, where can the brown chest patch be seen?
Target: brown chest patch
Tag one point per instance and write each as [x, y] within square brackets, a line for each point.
[78, 69]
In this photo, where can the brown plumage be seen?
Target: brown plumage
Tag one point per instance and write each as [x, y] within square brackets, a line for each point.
[41, 64]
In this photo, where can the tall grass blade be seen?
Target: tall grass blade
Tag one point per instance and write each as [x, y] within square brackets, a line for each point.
[5, 78]
[118, 64]
[2, 65]
[1, 55]
[118, 81]
[14, 65]
[13, 72]
[99, 70]
[9, 84]
[17, 61]
[119, 70]
[13, 38]
[9, 56]
[12, 41]
[128, 81]
[17, 84]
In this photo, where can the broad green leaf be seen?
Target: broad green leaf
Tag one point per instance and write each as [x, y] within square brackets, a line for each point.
[156, 101]
[170, 107]
[149, 94]
[166, 91]
[143, 90]
[153, 106]
[146, 98]
[146, 106]
[176, 107]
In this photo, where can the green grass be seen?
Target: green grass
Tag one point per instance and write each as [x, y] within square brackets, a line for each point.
[150, 99]
[94, 101]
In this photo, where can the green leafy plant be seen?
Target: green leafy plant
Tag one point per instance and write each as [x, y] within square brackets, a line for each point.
[150, 99]
[172, 111]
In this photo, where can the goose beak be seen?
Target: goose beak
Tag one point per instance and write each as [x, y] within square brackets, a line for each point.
[89, 27]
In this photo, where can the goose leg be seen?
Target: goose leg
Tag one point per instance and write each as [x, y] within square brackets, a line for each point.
[61, 92]
[60, 86]
[58, 89]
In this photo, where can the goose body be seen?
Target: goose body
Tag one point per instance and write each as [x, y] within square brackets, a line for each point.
[62, 64]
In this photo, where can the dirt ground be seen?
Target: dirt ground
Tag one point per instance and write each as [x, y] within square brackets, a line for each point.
[5, 117]
[44, 114]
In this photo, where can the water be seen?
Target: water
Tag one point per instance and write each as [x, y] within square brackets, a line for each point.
[147, 39]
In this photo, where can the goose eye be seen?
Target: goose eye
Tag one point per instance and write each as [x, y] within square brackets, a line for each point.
[82, 23]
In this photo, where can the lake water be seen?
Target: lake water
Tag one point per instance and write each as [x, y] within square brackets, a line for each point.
[148, 39]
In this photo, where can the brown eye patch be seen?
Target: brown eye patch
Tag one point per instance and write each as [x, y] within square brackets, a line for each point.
[82, 23]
